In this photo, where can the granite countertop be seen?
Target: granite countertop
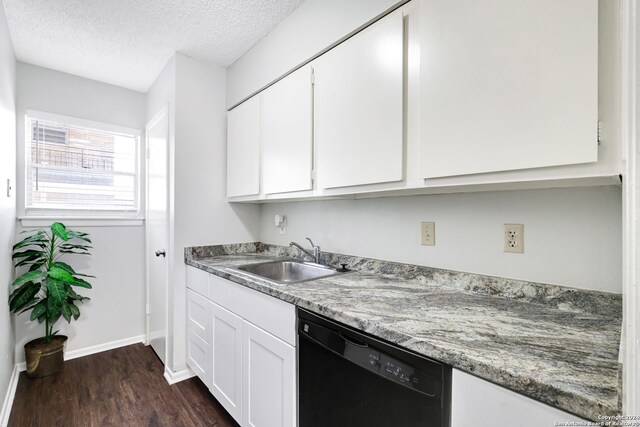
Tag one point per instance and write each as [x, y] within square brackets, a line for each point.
[555, 344]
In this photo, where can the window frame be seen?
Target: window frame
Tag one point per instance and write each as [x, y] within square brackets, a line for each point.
[93, 215]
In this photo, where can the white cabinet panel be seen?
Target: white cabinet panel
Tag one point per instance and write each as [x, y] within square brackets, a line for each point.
[358, 98]
[507, 85]
[479, 403]
[198, 351]
[269, 380]
[271, 314]
[197, 280]
[287, 134]
[243, 149]
[226, 352]
[198, 312]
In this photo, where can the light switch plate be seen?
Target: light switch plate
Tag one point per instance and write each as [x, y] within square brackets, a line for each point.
[428, 233]
[514, 238]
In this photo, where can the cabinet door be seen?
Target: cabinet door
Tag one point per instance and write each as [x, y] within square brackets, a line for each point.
[269, 380]
[358, 98]
[479, 403]
[243, 149]
[287, 134]
[198, 336]
[198, 315]
[226, 354]
[198, 357]
[507, 85]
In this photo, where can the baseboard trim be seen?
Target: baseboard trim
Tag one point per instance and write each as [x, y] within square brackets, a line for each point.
[99, 348]
[81, 352]
[176, 377]
[8, 399]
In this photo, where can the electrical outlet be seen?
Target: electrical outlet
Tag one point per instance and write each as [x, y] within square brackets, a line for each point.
[514, 238]
[428, 233]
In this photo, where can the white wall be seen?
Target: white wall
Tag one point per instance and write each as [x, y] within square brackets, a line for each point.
[7, 204]
[116, 309]
[315, 25]
[572, 236]
[201, 215]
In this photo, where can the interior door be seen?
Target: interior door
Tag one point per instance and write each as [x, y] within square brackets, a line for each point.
[157, 132]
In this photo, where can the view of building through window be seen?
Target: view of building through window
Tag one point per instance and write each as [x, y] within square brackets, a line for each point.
[78, 168]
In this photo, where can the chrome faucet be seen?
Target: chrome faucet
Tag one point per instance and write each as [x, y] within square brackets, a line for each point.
[316, 250]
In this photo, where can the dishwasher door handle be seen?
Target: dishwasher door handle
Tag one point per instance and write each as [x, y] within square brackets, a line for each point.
[368, 357]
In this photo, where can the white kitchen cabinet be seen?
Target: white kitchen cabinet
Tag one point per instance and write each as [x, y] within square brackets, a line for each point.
[198, 339]
[479, 403]
[358, 107]
[269, 380]
[243, 149]
[507, 85]
[226, 359]
[241, 344]
[287, 118]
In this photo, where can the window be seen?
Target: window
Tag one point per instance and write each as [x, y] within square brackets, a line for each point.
[78, 168]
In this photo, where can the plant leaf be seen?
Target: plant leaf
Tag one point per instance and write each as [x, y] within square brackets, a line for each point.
[37, 239]
[74, 310]
[66, 312]
[56, 290]
[30, 304]
[59, 230]
[30, 276]
[78, 247]
[64, 266]
[39, 310]
[81, 282]
[36, 265]
[30, 260]
[61, 275]
[78, 235]
[65, 251]
[26, 254]
[22, 296]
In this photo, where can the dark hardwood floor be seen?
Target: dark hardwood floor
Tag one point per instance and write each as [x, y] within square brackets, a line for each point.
[122, 387]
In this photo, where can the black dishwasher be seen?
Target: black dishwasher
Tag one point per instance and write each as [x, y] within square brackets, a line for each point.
[347, 378]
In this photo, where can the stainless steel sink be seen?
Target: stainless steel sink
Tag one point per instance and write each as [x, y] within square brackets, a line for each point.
[287, 271]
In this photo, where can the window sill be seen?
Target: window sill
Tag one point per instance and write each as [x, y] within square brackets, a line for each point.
[45, 221]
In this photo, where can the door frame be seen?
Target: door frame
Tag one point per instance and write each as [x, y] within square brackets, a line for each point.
[164, 111]
[630, 341]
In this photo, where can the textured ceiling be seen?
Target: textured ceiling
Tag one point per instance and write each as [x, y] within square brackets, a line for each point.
[127, 42]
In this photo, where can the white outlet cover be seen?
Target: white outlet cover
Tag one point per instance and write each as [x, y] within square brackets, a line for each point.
[428, 233]
[514, 238]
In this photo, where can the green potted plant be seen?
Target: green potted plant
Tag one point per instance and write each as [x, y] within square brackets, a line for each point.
[47, 289]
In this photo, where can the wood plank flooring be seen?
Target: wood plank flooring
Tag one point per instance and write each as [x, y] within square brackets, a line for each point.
[121, 387]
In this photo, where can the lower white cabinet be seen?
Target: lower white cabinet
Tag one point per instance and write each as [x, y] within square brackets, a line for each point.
[249, 370]
[198, 351]
[479, 403]
[269, 380]
[226, 355]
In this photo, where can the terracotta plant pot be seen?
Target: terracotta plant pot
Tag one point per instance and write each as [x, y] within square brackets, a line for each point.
[44, 358]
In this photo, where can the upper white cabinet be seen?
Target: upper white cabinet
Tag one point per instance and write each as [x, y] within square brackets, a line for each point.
[287, 134]
[507, 85]
[243, 149]
[358, 98]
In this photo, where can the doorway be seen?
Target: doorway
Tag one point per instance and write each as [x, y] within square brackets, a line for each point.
[157, 231]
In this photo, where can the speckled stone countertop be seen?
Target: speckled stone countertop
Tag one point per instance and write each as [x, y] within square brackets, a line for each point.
[555, 344]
